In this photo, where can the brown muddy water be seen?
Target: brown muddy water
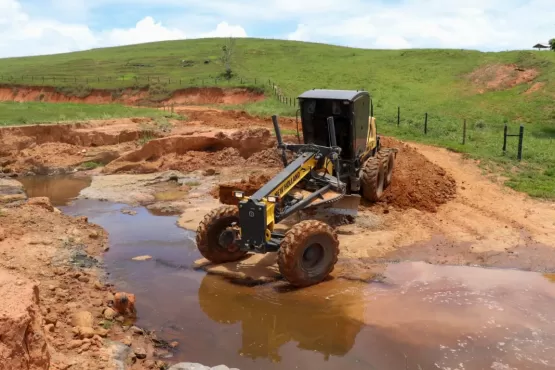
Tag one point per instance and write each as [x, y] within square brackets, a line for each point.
[420, 316]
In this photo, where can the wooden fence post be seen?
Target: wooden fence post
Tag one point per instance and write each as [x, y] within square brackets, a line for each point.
[520, 140]
[464, 133]
[505, 129]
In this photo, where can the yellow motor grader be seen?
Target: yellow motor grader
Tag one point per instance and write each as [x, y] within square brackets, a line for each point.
[340, 160]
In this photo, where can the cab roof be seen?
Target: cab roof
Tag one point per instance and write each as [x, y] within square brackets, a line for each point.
[333, 94]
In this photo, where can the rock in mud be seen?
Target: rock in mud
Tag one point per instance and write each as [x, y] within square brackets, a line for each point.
[85, 332]
[82, 319]
[22, 341]
[140, 353]
[137, 330]
[11, 191]
[142, 258]
[195, 366]
[43, 202]
[109, 314]
[102, 333]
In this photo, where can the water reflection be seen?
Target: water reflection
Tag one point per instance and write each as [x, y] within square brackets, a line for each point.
[270, 319]
[60, 189]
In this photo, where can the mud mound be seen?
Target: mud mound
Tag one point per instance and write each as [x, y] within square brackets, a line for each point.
[81, 134]
[130, 96]
[23, 343]
[188, 153]
[269, 158]
[224, 192]
[197, 160]
[215, 95]
[417, 182]
[500, 77]
[233, 119]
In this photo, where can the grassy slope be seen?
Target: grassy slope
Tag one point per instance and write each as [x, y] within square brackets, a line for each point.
[417, 80]
[13, 113]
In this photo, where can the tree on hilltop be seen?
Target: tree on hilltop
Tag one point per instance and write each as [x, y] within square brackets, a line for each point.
[228, 51]
[552, 44]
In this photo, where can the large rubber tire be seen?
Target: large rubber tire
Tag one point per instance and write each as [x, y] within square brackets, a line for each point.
[388, 160]
[209, 231]
[320, 241]
[372, 181]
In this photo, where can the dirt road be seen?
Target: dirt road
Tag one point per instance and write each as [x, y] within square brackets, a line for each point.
[439, 208]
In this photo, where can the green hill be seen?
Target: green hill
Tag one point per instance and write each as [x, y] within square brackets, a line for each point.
[486, 89]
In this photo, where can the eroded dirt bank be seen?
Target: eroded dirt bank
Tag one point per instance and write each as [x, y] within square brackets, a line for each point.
[140, 145]
[130, 96]
[57, 312]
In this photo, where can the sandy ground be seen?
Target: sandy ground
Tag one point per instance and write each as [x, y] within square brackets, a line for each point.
[439, 208]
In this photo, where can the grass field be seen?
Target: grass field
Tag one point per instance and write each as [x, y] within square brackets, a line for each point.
[13, 113]
[419, 81]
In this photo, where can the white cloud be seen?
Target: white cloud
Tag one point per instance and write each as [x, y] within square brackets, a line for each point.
[225, 30]
[22, 35]
[146, 30]
[473, 24]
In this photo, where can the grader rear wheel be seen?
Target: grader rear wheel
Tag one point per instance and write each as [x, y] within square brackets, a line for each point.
[308, 253]
[215, 235]
[388, 160]
[372, 181]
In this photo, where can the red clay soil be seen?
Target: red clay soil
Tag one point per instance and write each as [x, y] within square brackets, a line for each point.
[537, 86]
[501, 77]
[417, 182]
[130, 96]
[50, 149]
[188, 153]
[59, 148]
[249, 186]
[233, 119]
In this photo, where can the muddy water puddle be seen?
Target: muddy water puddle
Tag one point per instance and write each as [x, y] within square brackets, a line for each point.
[60, 189]
[420, 316]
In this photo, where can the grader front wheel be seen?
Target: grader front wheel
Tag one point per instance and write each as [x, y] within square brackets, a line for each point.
[308, 253]
[215, 235]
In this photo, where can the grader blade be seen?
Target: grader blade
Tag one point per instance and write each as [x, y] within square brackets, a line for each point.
[347, 206]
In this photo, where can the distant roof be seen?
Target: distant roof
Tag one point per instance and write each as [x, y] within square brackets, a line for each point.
[332, 94]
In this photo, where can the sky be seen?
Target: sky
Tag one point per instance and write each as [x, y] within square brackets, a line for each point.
[35, 27]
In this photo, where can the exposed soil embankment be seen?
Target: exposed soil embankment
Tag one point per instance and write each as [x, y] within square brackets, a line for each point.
[231, 119]
[417, 182]
[494, 77]
[23, 342]
[56, 312]
[46, 149]
[208, 138]
[130, 96]
[252, 147]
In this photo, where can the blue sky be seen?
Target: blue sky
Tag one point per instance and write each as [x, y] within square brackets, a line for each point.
[31, 27]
